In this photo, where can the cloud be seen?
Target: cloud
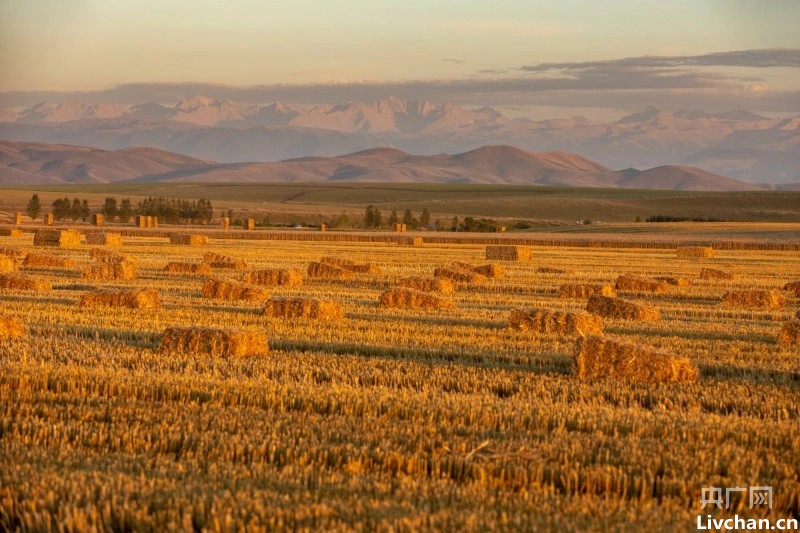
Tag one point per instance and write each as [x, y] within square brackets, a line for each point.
[456, 61]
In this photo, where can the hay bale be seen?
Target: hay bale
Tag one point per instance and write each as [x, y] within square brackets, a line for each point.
[47, 261]
[584, 290]
[328, 271]
[352, 266]
[105, 239]
[323, 227]
[188, 239]
[628, 282]
[398, 228]
[285, 277]
[558, 322]
[224, 289]
[57, 237]
[112, 267]
[405, 298]
[97, 219]
[12, 328]
[609, 307]
[215, 342]
[303, 308]
[48, 219]
[153, 222]
[409, 241]
[599, 357]
[7, 264]
[13, 253]
[677, 282]
[99, 255]
[223, 262]
[17, 218]
[225, 222]
[492, 270]
[694, 252]
[790, 332]
[10, 232]
[249, 224]
[196, 269]
[550, 270]
[440, 285]
[23, 282]
[134, 299]
[140, 221]
[713, 273]
[754, 299]
[793, 286]
[459, 274]
[508, 253]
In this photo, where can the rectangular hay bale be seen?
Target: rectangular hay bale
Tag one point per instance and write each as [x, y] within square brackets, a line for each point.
[492, 270]
[47, 261]
[7, 264]
[24, 282]
[133, 299]
[64, 238]
[405, 298]
[285, 277]
[327, 271]
[97, 219]
[119, 267]
[600, 357]
[352, 266]
[215, 342]
[790, 332]
[458, 274]
[223, 289]
[195, 269]
[792, 286]
[754, 299]
[409, 241]
[557, 322]
[188, 239]
[609, 307]
[632, 283]
[694, 252]
[303, 308]
[104, 239]
[508, 253]
[677, 282]
[713, 273]
[440, 285]
[584, 290]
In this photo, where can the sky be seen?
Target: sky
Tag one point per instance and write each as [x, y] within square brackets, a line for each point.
[529, 58]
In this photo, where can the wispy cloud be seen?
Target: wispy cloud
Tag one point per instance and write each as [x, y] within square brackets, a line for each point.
[456, 61]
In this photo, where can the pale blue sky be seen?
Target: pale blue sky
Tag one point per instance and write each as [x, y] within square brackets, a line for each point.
[89, 45]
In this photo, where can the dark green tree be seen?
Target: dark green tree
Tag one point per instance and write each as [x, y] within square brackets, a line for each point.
[61, 208]
[393, 218]
[369, 216]
[454, 224]
[85, 211]
[125, 211]
[75, 210]
[110, 210]
[34, 207]
[425, 218]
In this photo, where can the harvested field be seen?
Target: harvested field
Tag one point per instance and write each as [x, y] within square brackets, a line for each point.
[405, 298]
[47, 261]
[676, 282]
[213, 342]
[286, 277]
[133, 299]
[550, 270]
[790, 332]
[223, 289]
[409, 241]
[303, 308]
[585, 290]
[352, 266]
[794, 287]
[695, 252]
[24, 282]
[12, 328]
[598, 357]
[14, 253]
[508, 253]
[440, 285]
[188, 269]
[610, 307]
[554, 322]
[754, 299]
[7, 264]
[632, 283]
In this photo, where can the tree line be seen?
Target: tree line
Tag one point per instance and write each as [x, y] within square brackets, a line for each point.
[168, 210]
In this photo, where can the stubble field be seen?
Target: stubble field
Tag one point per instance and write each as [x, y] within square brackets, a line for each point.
[390, 419]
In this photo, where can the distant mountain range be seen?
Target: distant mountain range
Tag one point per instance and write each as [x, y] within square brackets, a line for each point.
[29, 163]
[737, 144]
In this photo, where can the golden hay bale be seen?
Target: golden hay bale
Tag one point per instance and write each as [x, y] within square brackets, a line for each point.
[457, 274]
[440, 285]
[698, 252]
[225, 222]
[249, 223]
[210, 257]
[550, 270]
[352, 266]
[119, 267]
[201, 269]
[23, 282]
[559, 322]
[223, 289]
[57, 237]
[275, 276]
[632, 283]
[492, 270]
[303, 308]
[409, 241]
[790, 332]
[135, 299]
[326, 271]
[215, 342]
[7, 264]
[610, 307]
[754, 299]
[12, 328]
[793, 286]
[584, 290]
[713, 273]
[97, 219]
[12, 252]
[49, 261]
[229, 265]
[677, 282]
[17, 218]
[10, 232]
[48, 219]
[188, 239]
[107, 239]
[599, 357]
[508, 253]
[412, 299]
